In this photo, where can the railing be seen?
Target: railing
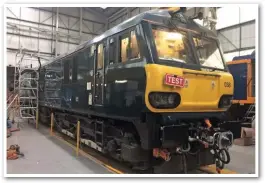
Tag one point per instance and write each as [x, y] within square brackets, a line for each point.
[11, 103]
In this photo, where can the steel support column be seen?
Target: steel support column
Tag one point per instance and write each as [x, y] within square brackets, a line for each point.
[39, 34]
[128, 12]
[240, 34]
[19, 42]
[56, 31]
[81, 24]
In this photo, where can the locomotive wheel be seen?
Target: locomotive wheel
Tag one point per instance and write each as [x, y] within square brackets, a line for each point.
[224, 156]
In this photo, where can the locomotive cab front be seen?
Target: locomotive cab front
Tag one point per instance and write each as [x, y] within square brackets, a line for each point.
[188, 89]
[188, 74]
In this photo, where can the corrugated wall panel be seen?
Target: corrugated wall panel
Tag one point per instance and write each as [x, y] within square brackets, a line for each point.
[74, 11]
[11, 58]
[248, 35]
[29, 43]
[86, 37]
[46, 17]
[36, 28]
[12, 41]
[98, 28]
[229, 39]
[63, 21]
[64, 32]
[91, 16]
[135, 12]
[144, 9]
[63, 48]
[74, 23]
[45, 46]
[13, 12]
[88, 26]
[72, 46]
[29, 14]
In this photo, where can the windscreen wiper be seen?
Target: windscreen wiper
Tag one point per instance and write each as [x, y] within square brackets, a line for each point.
[214, 69]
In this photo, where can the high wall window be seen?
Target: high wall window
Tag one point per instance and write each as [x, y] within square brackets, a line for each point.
[100, 56]
[129, 47]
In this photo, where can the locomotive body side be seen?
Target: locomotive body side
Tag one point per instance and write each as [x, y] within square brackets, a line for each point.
[134, 103]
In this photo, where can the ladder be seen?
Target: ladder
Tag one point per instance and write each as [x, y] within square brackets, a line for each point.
[250, 114]
[99, 132]
[26, 86]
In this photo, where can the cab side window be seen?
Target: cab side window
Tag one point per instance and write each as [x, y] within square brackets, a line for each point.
[112, 50]
[124, 48]
[134, 46]
[100, 57]
[129, 49]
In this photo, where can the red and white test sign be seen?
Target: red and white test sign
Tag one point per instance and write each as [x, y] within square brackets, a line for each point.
[174, 80]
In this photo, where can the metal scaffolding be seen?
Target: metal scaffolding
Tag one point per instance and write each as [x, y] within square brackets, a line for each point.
[26, 84]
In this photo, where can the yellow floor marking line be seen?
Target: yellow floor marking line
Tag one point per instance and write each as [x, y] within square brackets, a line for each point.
[212, 169]
[114, 169]
[110, 168]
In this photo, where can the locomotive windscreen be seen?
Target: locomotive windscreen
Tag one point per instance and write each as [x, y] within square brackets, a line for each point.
[172, 45]
[208, 52]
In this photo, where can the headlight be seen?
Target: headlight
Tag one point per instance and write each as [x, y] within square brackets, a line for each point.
[225, 101]
[162, 100]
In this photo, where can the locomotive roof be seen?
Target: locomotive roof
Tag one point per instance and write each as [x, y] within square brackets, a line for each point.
[157, 16]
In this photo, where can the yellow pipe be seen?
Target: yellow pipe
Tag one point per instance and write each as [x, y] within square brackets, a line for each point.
[78, 137]
[52, 118]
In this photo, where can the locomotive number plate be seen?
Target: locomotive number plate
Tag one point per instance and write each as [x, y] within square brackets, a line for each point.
[227, 84]
[174, 80]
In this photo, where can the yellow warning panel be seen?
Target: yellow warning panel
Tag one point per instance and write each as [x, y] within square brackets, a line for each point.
[212, 169]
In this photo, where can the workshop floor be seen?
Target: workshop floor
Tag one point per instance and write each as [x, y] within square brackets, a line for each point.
[47, 155]
[242, 159]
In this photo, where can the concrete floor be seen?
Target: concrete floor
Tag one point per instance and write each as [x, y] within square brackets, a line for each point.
[242, 159]
[47, 155]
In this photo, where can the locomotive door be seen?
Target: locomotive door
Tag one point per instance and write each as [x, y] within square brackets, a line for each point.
[99, 74]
